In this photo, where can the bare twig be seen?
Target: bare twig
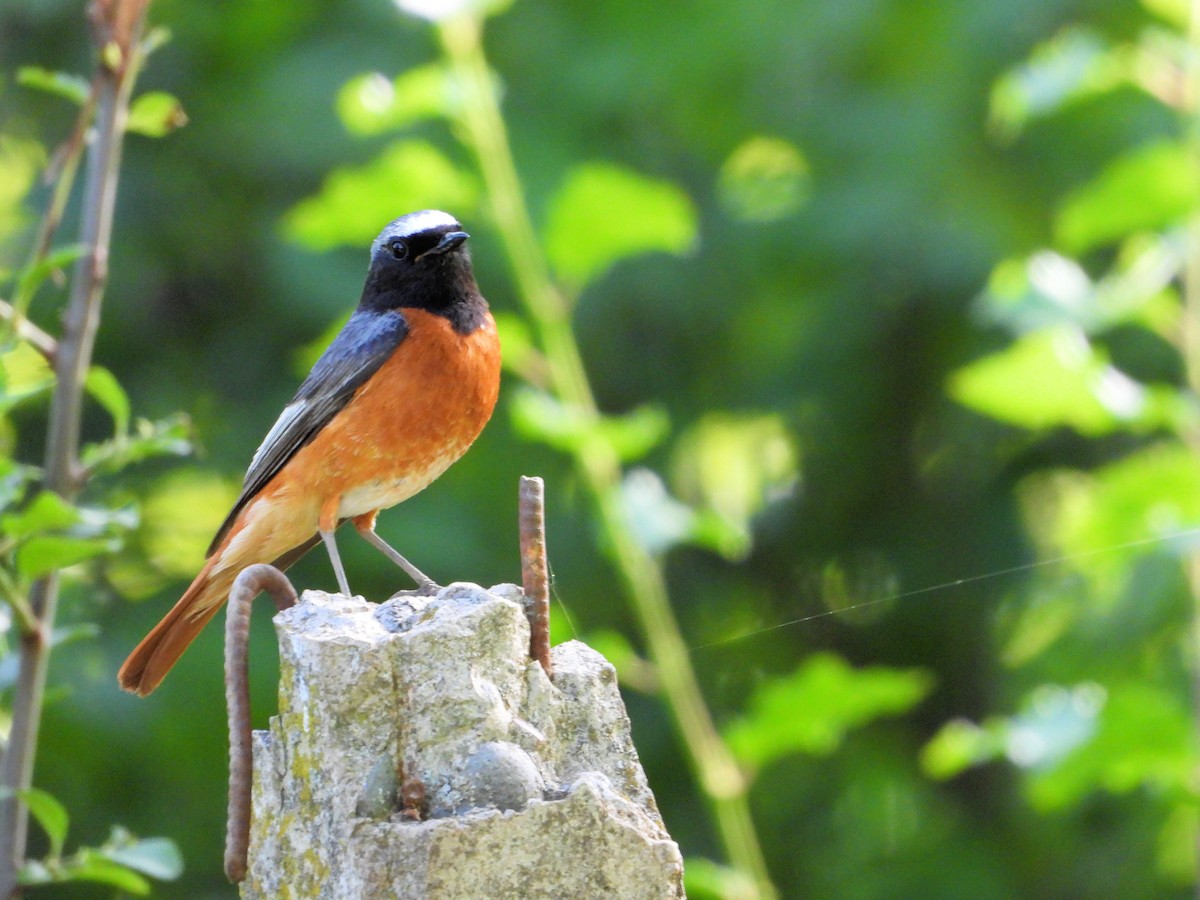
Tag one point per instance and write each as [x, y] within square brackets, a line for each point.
[534, 570]
[117, 28]
[250, 582]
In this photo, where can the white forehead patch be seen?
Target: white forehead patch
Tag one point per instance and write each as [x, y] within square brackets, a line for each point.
[416, 222]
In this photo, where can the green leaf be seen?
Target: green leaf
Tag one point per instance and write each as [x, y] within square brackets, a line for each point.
[961, 744]
[1140, 505]
[24, 373]
[72, 87]
[1072, 66]
[372, 102]
[91, 865]
[155, 114]
[32, 277]
[1151, 188]
[1174, 12]
[1144, 739]
[764, 180]
[1047, 290]
[735, 465]
[354, 203]
[107, 391]
[707, 880]
[50, 814]
[41, 555]
[1055, 378]
[47, 512]
[811, 710]
[542, 417]
[604, 213]
[167, 437]
[157, 857]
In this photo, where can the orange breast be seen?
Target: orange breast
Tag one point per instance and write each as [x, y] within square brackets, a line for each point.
[404, 427]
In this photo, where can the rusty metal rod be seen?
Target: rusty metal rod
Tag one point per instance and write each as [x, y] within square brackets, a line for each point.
[251, 581]
[535, 577]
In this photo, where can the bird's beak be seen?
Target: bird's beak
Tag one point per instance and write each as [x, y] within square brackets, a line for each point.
[449, 241]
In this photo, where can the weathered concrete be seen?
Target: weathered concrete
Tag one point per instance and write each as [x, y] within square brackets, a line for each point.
[418, 752]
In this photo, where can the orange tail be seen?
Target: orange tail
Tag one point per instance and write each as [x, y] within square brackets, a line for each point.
[153, 658]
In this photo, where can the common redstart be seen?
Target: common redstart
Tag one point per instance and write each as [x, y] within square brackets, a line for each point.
[400, 394]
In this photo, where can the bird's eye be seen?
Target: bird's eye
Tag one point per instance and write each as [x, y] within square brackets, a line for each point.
[398, 247]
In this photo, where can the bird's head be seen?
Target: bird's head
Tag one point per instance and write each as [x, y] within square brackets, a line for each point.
[420, 261]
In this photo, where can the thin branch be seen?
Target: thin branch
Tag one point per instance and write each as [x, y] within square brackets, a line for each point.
[534, 569]
[41, 341]
[715, 766]
[117, 26]
[251, 582]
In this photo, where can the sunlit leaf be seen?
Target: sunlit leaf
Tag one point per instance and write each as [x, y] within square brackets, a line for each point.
[91, 865]
[542, 417]
[155, 114]
[763, 180]
[1175, 12]
[1056, 378]
[24, 373]
[735, 465]
[372, 102]
[157, 857]
[167, 437]
[1151, 188]
[604, 213]
[62, 84]
[50, 814]
[1047, 289]
[355, 203]
[812, 710]
[1145, 739]
[961, 744]
[704, 879]
[1143, 503]
[1072, 66]
[107, 391]
[43, 554]
[47, 512]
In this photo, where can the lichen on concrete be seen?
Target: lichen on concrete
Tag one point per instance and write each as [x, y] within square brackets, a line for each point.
[524, 787]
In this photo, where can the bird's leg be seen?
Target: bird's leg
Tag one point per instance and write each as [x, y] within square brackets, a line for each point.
[338, 570]
[327, 523]
[365, 524]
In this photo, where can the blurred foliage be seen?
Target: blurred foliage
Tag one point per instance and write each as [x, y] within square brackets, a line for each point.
[891, 303]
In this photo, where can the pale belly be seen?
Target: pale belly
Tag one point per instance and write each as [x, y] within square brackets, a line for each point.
[383, 494]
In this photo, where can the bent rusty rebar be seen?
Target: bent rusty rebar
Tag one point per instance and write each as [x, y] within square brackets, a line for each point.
[251, 581]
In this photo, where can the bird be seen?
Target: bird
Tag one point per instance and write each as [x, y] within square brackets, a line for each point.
[398, 396]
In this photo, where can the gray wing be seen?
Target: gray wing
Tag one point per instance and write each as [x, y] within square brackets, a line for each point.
[360, 348]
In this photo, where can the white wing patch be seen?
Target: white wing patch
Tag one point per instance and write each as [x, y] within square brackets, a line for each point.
[290, 413]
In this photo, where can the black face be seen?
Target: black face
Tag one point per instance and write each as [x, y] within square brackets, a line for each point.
[426, 267]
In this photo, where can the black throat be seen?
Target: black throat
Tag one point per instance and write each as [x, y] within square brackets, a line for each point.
[445, 288]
